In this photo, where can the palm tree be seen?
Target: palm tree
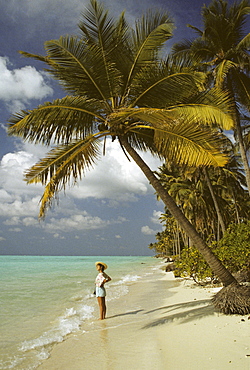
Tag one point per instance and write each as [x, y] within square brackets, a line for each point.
[206, 194]
[222, 48]
[191, 192]
[120, 87]
[218, 211]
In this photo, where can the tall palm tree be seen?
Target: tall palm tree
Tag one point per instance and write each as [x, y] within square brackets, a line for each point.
[120, 87]
[190, 190]
[218, 211]
[202, 192]
[222, 48]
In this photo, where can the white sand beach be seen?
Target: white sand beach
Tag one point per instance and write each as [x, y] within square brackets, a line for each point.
[162, 323]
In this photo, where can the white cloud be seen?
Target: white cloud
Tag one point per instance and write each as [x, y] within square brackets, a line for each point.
[156, 217]
[15, 229]
[22, 221]
[4, 196]
[19, 86]
[12, 167]
[82, 221]
[115, 177]
[31, 221]
[2, 239]
[18, 208]
[12, 221]
[146, 230]
[113, 181]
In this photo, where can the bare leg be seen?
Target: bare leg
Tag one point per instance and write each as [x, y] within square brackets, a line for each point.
[102, 307]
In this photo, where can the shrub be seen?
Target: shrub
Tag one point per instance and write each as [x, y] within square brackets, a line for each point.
[233, 250]
[192, 264]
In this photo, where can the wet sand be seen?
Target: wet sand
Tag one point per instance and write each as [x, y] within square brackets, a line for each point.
[162, 323]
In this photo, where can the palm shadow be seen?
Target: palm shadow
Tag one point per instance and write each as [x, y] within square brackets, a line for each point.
[189, 311]
[125, 314]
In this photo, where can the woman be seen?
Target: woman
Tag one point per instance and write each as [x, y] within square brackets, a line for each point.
[101, 279]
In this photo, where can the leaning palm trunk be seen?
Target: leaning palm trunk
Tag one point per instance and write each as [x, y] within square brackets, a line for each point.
[218, 268]
[217, 208]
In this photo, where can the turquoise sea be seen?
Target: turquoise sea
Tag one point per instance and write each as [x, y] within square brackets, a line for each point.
[43, 299]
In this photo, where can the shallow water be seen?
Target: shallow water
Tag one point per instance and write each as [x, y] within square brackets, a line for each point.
[43, 299]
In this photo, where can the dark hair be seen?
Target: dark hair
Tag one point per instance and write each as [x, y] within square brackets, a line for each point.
[102, 267]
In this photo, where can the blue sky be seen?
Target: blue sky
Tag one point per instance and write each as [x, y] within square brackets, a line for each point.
[113, 210]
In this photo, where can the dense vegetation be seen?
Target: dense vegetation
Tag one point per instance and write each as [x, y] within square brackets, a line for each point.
[215, 200]
[233, 249]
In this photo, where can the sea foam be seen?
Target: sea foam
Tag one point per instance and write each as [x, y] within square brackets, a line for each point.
[47, 298]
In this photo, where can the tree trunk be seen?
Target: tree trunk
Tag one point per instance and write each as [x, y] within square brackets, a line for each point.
[243, 153]
[236, 208]
[218, 268]
[216, 205]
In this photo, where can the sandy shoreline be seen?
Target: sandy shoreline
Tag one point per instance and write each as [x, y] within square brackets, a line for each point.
[162, 323]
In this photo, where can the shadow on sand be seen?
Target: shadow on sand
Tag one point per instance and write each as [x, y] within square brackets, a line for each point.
[125, 314]
[189, 311]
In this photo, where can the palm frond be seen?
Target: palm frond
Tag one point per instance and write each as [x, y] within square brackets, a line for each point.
[113, 37]
[225, 24]
[41, 58]
[203, 114]
[200, 112]
[162, 86]
[95, 25]
[60, 121]
[63, 164]
[221, 72]
[182, 48]
[121, 53]
[242, 83]
[197, 30]
[143, 139]
[183, 143]
[92, 73]
[183, 53]
[203, 49]
[237, 14]
[65, 53]
[244, 43]
[99, 33]
[152, 31]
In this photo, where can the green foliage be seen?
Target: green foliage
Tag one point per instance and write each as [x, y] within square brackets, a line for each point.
[169, 241]
[233, 250]
[163, 246]
[192, 264]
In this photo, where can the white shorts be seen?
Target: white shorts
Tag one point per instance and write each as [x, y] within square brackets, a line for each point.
[100, 291]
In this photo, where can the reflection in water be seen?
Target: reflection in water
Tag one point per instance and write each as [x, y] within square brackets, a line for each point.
[104, 334]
